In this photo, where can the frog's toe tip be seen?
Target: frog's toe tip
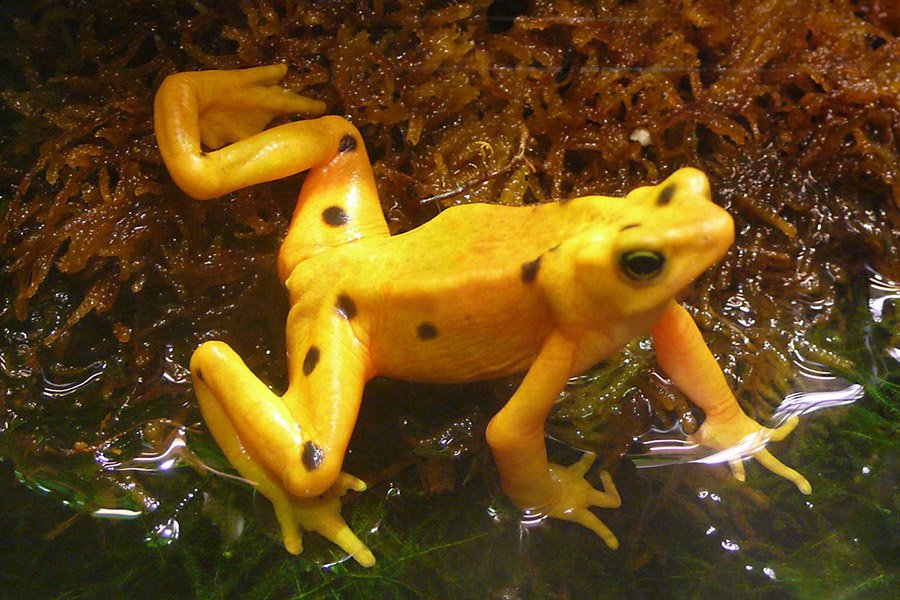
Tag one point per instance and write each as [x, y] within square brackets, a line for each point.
[804, 487]
[365, 558]
[294, 547]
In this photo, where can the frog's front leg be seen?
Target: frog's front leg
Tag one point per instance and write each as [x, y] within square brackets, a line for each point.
[516, 437]
[684, 356]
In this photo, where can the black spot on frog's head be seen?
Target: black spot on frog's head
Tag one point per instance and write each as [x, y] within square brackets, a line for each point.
[199, 375]
[335, 216]
[311, 360]
[629, 226]
[666, 195]
[426, 331]
[312, 456]
[347, 144]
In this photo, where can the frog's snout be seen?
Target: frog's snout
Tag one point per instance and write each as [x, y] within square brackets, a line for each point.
[686, 181]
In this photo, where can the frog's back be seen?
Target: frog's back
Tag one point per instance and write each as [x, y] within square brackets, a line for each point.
[463, 288]
[488, 242]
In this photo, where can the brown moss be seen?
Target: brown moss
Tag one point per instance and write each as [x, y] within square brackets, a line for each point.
[792, 108]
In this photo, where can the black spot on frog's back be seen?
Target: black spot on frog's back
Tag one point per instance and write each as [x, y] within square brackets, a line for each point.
[335, 216]
[426, 331]
[311, 360]
[530, 270]
[348, 143]
[346, 306]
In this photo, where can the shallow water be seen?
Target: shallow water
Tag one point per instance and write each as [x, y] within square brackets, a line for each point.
[178, 523]
[155, 511]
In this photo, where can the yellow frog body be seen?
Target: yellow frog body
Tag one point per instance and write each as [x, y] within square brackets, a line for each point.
[480, 291]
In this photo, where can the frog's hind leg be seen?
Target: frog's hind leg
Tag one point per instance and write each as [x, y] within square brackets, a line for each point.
[209, 128]
[226, 112]
[230, 396]
[328, 370]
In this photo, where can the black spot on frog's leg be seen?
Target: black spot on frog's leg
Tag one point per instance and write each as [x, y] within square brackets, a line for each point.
[629, 226]
[530, 270]
[311, 360]
[335, 216]
[199, 375]
[666, 195]
[312, 456]
[426, 331]
[347, 143]
[346, 306]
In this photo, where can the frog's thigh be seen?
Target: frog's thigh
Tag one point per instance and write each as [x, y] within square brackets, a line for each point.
[516, 433]
[329, 366]
[242, 413]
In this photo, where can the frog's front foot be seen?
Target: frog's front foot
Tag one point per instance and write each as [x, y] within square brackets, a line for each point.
[322, 515]
[575, 495]
[743, 437]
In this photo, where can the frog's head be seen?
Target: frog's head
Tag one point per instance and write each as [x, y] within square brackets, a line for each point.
[665, 237]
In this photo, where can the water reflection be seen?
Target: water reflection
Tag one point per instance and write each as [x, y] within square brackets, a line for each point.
[821, 389]
[60, 389]
[673, 446]
[881, 291]
[166, 453]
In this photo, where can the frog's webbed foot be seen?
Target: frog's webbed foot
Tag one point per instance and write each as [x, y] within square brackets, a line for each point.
[233, 105]
[322, 515]
[745, 437]
[239, 104]
[575, 495]
[227, 112]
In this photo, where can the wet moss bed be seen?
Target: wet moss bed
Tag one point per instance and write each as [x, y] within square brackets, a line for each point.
[111, 277]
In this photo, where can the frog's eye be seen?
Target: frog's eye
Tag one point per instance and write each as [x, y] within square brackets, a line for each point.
[642, 264]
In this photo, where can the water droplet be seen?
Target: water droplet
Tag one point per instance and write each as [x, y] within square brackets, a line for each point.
[164, 533]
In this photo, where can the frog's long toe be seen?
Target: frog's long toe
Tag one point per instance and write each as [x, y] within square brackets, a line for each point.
[765, 458]
[576, 495]
[585, 517]
[323, 515]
